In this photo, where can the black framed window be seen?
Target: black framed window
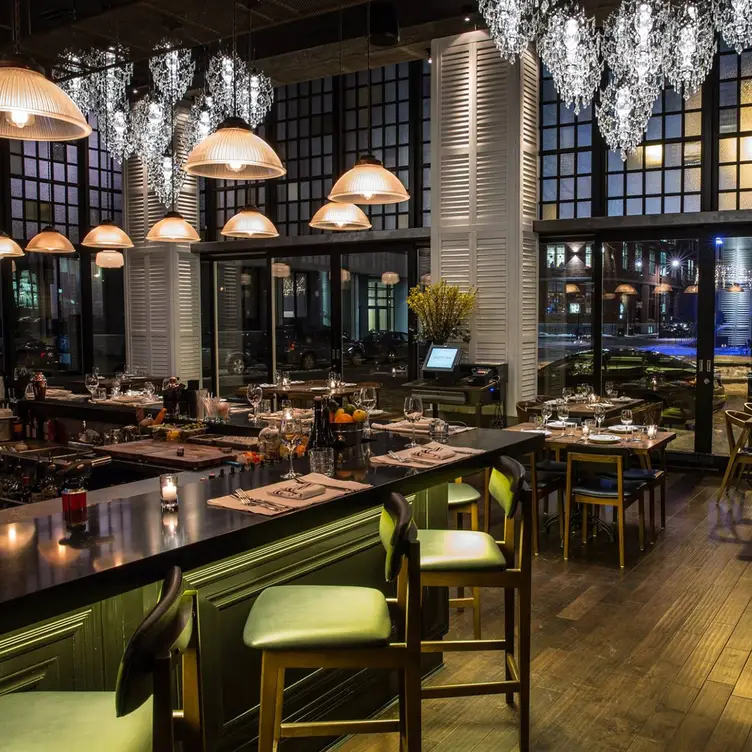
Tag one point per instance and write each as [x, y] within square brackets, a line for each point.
[663, 175]
[734, 129]
[305, 132]
[105, 182]
[425, 146]
[566, 156]
[390, 131]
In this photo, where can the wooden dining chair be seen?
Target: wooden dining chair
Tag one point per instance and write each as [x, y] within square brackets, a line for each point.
[740, 455]
[545, 477]
[457, 558]
[596, 489]
[139, 715]
[320, 626]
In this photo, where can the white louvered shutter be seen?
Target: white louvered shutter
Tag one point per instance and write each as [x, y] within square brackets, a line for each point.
[484, 152]
[163, 306]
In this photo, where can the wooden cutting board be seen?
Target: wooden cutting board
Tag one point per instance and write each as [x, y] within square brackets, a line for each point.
[165, 453]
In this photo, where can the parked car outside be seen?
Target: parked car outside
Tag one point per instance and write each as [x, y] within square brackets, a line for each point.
[379, 345]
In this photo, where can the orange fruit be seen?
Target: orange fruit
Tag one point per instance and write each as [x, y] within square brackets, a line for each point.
[359, 416]
[343, 417]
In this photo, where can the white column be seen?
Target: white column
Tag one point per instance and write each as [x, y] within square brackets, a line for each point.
[162, 283]
[484, 170]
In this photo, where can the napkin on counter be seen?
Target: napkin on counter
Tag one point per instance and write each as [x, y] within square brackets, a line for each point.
[298, 491]
[419, 458]
[330, 489]
[422, 426]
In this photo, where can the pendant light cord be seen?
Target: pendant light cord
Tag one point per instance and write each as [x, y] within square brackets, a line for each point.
[17, 27]
[368, 47]
[234, 57]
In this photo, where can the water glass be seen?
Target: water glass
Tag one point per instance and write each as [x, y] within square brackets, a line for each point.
[168, 490]
[537, 421]
[571, 429]
[562, 410]
[439, 431]
[588, 427]
[609, 389]
[149, 390]
[265, 406]
[254, 394]
[566, 393]
[92, 383]
[322, 461]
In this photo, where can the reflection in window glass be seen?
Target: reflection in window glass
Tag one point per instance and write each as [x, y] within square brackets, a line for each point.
[47, 333]
[243, 331]
[650, 328]
[375, 323]
[565, 316]
[108, 318]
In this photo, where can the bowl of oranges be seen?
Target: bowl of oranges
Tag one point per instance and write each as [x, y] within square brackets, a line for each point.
[347, 424]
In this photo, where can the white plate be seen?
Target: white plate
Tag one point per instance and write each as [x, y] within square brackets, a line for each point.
[535, 430]
[557, 424]
[605, 438]
[622, 429]
[622, 399]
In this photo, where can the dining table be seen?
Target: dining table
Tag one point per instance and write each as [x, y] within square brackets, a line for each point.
[304, 391]
[584, 410]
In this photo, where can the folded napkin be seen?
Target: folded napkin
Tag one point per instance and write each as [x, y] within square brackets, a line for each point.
[432, 454]
[328, 490]
[602, 404]
[422, 426]
[535, 430]
[557, 424]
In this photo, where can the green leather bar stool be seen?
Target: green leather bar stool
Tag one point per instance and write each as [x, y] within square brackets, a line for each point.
[139, 715]
[320, 626]
[455, 558]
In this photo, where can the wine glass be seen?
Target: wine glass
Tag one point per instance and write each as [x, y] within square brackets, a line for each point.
[566, 393]
[149, 390]
[254, 394]
[609, 389]
[599, 412]
[291, 434]
[413, 410]
[546, 412]
[91, 382]
[626, 419]
[562, 411]
[368, 399]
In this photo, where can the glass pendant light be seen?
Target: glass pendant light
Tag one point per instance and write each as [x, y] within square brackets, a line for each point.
[234, 151]
[691, 289]
[572, 289]
[249, 222]
[32, 108]
[663, 287]
[369, 182]
[735, 288]
[280, 270]
[340, 218]
[109, 259]
[9, 248]
[49, 240]
[625, 290]
[390, 278]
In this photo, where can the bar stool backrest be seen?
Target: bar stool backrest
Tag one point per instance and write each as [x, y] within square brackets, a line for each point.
[163, 634]
[396, 530]
[505, 485]
[741, 420]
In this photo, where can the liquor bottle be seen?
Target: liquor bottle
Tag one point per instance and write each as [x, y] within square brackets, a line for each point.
[318, 438]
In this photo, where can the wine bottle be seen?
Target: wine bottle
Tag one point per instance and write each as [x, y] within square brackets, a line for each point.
[319, 432]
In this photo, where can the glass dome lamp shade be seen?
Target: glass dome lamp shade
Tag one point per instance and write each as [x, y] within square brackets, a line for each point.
[234, 152]
[662, 288]
[369, 183]
[390, 278]
[345, 276]
[626, 290]
[33, 108]
[735, 288]
[340, 217]
[280, 270]
[249, 222]
[49, 240]
[691, 289]
[572, 289]
[173, 228]
[109, 259]
[9, 248]
[107, 235]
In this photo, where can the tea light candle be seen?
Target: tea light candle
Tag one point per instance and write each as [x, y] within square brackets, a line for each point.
[585, 429]
[652, 431]
[169, 491]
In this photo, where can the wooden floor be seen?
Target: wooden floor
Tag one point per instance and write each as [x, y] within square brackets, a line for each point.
[656, 657]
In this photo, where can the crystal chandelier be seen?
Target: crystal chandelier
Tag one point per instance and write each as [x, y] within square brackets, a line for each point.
[112, 103]
[691, 40]
[513, 24]
[225, 76]
[151, 134]
[570, 48]
[172, 71]
[733, 19]
[623, 116]
[79, 86]
[166, 177]
[202, 121]
[256, 106]
[634, 45]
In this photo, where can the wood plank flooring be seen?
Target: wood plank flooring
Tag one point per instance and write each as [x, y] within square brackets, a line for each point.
[655, 658]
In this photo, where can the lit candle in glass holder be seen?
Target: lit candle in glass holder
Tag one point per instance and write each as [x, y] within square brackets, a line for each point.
[652, 431]
[168, 489]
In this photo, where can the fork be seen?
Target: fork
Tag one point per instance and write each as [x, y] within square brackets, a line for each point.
[245, 499]
[395, 456]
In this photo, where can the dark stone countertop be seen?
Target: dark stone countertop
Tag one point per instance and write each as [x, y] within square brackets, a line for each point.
[129, 542]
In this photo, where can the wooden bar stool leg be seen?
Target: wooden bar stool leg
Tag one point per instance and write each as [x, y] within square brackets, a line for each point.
[620, 512]
[730, 468]
[652, 514]
[509, 636]
[412, 706]
[641, 510]
[267, 703]
[663, 491]
[561, 515]
[278, 707]
[584, 508]
[536, 501]
[567, 514]
[477, 628]
[524, 666]
[402, 699]
[460, 524]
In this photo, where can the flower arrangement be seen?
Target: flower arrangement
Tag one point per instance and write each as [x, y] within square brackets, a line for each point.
[443, 311]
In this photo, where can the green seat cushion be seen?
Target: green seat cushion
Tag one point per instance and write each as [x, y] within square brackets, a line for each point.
[314, 617]
[458, 550]
[462, 493]
[71, 722]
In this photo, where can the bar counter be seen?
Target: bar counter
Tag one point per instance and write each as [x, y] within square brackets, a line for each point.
[66, 611]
